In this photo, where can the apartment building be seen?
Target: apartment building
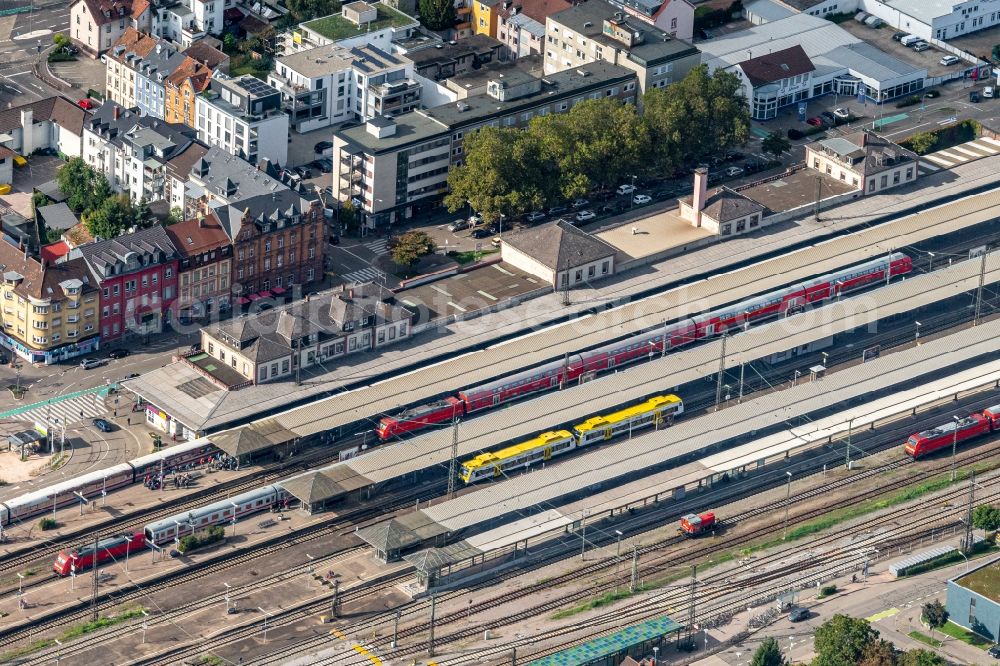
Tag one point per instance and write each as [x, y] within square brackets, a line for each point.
[132, 45]
[199, 183]
[597, 30]
[95, 25]
[137, 276]
[274, 344]
[332, 84]
[865, 160]
[243, 116]
[204, 263]
[358, 23]
[187, 21]
[395, 167]
[521, 26]
[53, 123]
[181, 88]
[674, 17]
[278, 242]
[48, 312]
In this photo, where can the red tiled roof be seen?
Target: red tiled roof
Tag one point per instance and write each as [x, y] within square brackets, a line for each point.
[775, 66]
[207, 55]
[52, 253]
[194, 236]
[134, 42]
[106, 11]
[190, 68]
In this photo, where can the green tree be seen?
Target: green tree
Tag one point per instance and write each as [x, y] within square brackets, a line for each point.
[77, 180]
[60, 40]
[111, 218]
[140, 214]
[437, 14]
[921, 657]
[176, 215]
[986, 517]
[594, 145]
[934, 614]
[775, 144]
[879, 652]
[922, 142]
[701, 115]
[769, 654]
[503, 174]
[407, 248]
[842, 640]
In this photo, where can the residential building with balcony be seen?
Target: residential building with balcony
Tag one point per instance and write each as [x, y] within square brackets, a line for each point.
[358, 23]
[95, 25]
[278, 241]
[187, 21]
[204, 263]
[181, 88]
[599, 31]
[137, 276]
[395, 167]
[331, 84]
[438, 62]
[275, 344]
[48, 313]
[521, 26]
[243, 116]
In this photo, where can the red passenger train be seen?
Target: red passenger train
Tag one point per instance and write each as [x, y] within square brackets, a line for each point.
[82, 558]
[551, 375]
[943, 436]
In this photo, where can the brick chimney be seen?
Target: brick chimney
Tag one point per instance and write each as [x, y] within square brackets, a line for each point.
[700, 193]
[201, 222]
[27, 131]
[118, 111]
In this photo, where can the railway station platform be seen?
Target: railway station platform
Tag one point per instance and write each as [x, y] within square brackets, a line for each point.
[556, 498]
[351, 409]
[636, 641]
[572, 405]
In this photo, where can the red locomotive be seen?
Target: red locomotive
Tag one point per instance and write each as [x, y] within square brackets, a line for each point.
[581, 366]
[972, 426]
[111, 548]
[695, 525]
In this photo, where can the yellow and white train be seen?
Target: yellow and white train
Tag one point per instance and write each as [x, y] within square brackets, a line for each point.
[658, 410]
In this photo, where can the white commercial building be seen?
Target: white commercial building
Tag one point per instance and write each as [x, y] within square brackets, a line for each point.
[243, 116]
[835, 62]
[331, 84]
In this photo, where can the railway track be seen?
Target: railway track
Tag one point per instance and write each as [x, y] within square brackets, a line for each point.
[378, 621]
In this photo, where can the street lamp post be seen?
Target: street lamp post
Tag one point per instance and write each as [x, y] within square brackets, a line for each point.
[618, 555]
[850, 428]
[788, 495]
[128, 540]
[916, 337]
[930, 261]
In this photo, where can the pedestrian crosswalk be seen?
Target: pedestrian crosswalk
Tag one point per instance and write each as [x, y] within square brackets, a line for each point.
[364, 275]
[966, 152]
[66, 412]
[381, 246]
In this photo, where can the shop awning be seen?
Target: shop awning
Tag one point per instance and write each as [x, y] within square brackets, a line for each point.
[243, 301]
[278, 291]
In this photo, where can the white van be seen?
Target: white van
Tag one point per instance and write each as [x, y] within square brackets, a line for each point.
[909, 40]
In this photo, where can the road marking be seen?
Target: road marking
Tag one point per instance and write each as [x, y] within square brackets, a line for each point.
[929, 166]
[966, 151]
[489, 296]
[440, 290]
[951, 156]
[985, 148]
[881, 616]
[8, 76]
[502, 270]
[939, 160]
[457, 306]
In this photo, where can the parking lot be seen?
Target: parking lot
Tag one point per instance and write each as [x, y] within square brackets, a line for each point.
[882, 39]
[979, 43]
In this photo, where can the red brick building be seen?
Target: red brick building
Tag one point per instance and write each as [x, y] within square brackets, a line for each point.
[137, 276]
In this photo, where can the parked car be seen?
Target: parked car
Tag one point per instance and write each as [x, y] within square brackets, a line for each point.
[324, 165]
[579, 203]
[974, 97]
[909, 40]
[815, 121]
[829, 117]
[119, 353]
[585, 216]
[733, 155]
[949, 60]
[476, 218]
[898, 36]
[988, 92]
[458, 225]
[557, 210]
[798, 614]
[479, 233]
[322, 145]
[842, 113]
[921, 46]
[496, 242]
[87, 104]
[932, 94]
[732, 172]
[196, 347]
[89, 363]
[625, 189]
[994, 651]
[303, 172]
[534, 216]
[102, 425]
[641, 199]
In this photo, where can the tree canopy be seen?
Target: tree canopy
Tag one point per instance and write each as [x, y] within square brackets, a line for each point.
[775, 144]
[110, 218]
[842, 640]
[104, 213]
[598, 144]
[768, 653]
[407, 248]
[934, 614]
[78, 182]
[986, 517]
[921, 657]
[437, 14]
